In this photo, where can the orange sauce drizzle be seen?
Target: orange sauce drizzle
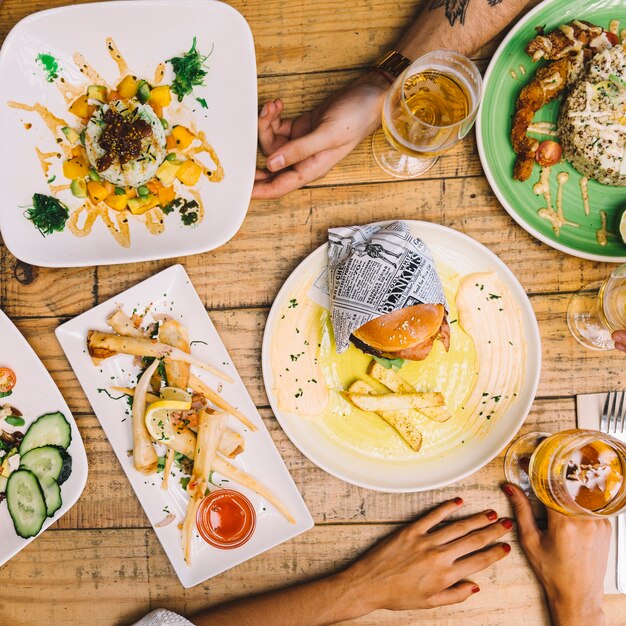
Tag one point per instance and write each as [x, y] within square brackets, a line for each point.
[89, 72]
[154, 221]
[116, 55]
[159, 73]
[119, 229]
[44, 159]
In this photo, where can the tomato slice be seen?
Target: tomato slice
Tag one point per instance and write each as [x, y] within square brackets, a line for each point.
[7, 379]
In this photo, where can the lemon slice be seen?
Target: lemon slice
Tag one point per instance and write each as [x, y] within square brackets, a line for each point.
[175, 393]
[158, 418]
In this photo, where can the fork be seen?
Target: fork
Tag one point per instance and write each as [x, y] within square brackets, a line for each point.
[612, 422]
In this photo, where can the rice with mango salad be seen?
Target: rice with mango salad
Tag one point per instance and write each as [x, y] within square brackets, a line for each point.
[592, 121]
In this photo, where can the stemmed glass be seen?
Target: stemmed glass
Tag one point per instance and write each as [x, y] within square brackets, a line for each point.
[430, 107]
[597, 310]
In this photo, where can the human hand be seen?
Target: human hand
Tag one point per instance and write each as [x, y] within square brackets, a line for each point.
[422, 567]
[305, 148]
[619, 337]
[569, 558]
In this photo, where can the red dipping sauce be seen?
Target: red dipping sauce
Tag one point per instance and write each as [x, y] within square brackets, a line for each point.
[226, 519]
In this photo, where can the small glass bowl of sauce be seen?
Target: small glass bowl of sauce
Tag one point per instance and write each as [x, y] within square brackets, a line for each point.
[226, 519]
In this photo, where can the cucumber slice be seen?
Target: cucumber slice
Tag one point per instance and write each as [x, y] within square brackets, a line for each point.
[51, 429]
[26, 503]
[48, 463]
[52, 496]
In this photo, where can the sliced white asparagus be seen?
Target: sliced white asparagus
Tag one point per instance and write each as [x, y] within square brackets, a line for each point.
[174, 334]
[144, 455]
[211, 427]
[169, 458]
[99, 343]
[199, 386]
[123, 325]
[226, 469]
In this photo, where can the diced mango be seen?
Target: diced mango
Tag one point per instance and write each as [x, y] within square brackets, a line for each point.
[189, 173]
[80, 153]
[154, 185]
[80, 107]
[183, 137]
[117, 202]
[110, 187]
[97, 191]
[128, 87]
[170, 142]
[131, 192]
[161, 96]
[166, 195]
[113, 95]
[75, 168]
[158, 109]
[138, 206]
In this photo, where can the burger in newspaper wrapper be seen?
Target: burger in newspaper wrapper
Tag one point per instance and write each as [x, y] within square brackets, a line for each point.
[385, 294]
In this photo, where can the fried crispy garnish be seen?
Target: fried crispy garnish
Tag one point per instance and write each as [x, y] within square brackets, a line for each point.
[562, 41]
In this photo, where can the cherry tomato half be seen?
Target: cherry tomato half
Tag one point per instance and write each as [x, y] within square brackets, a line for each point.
[612, 38]
[7, 379]
[548, 153]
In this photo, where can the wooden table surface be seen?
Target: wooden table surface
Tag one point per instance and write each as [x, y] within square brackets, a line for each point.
[102, 563]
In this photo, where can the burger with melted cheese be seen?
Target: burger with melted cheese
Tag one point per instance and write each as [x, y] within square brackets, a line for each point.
[407, 333]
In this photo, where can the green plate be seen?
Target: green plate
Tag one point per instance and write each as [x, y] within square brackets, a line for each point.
[502, 84]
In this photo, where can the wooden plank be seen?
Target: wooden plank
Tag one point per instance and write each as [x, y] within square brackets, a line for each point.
[277, 235]
[301, 38]
[102, 577]
[109, 502]
[567, 369]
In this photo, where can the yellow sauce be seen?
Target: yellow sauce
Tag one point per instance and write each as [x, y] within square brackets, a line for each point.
[513, 74]
[542, 187]
[602, 233]
[522, 70]
[584, 192]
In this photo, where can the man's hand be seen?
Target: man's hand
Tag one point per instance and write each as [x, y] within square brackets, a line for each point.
[305, 148]
[569, 558]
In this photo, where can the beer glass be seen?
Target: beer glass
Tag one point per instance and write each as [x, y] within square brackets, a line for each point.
[575, 472]
[430, 107]
[597, 310]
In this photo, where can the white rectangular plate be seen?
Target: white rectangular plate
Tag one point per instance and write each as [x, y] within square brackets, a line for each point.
[147, 32]
[35, 394]
[170, 292]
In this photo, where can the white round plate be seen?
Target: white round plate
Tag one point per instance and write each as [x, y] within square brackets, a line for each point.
[464, 255]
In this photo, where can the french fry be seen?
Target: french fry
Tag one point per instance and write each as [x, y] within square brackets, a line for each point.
[123, 325]
[402, 421]
[99, 343]
[226, 469]
[174, 334]
[431, 403]
[211, 427]
[431, 406]
[199, 386]
[389, 378]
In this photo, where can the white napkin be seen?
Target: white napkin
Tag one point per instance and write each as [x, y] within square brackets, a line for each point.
[588, 410]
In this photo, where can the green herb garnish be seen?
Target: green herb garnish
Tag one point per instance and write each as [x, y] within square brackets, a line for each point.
[51, 180]
[189, 70]
[4, 394]
[617, 81]
[184, 481]
[110, 396]
[390, 364]
[189, 218]
[14, 420]
[47, 214]
[203, 103]
[50, 66]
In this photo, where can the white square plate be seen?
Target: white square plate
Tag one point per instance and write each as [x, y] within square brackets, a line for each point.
[170, 292]
[147, 32]
[35, 394]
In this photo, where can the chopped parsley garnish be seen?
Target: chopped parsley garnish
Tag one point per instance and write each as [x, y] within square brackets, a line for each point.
[48, 214]
[113, 397]
[299, 393]
[50, 66]
[189, 218]
[203, 103]
[189, 70]
[293, 303]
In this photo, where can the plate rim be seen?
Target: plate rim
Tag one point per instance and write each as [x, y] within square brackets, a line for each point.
[65, 335]
[91, 261]
[533, 342]
[84, 465]
[590, 256]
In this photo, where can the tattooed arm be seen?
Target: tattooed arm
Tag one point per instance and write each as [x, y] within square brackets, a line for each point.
[461, 25]
[303, 149]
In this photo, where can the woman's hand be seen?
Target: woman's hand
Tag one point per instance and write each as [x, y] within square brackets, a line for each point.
[569, 559]
[305, 148]
[619, 337]
[422, 566]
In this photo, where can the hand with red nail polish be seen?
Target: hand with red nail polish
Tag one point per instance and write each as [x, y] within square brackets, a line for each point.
[569, 558]
[619, 337]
